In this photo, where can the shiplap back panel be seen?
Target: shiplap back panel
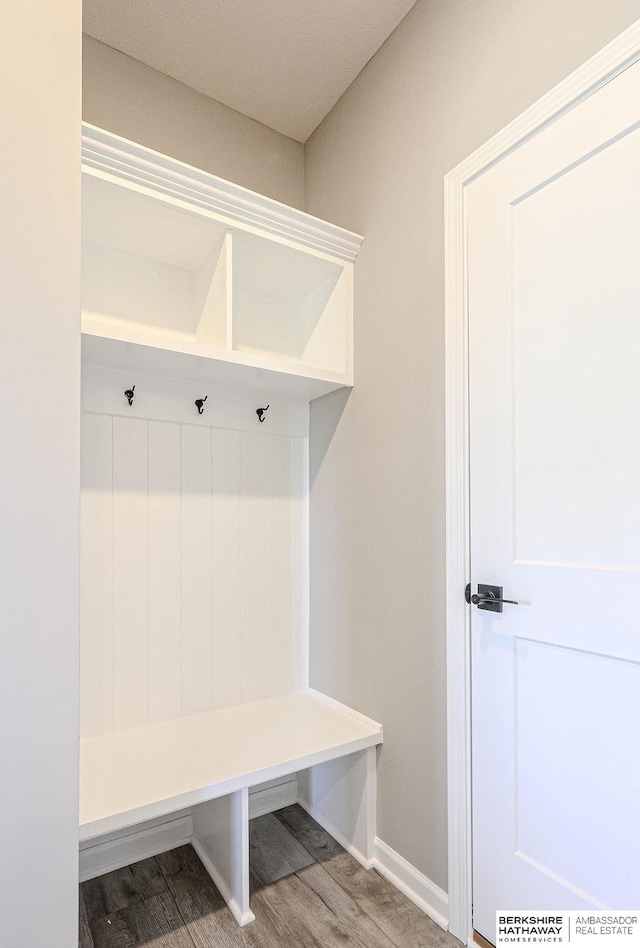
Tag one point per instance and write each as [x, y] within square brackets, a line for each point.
[165, 593]
[193, 568]
[96, 599]
[130, 572]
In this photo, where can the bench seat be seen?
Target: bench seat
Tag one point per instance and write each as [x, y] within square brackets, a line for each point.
[131, 776]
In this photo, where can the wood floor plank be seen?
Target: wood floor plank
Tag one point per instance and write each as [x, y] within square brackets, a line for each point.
[272, 927]
[85, 939]
[154, 921]
[481, 940]
[309, 834]
[122, 888]
[273, 851]
[205, 913]
[351, 916]
[183, 859]
[148, 878]
[311, 923]
[401, 921]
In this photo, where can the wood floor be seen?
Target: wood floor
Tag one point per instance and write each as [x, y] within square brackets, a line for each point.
[307, 892]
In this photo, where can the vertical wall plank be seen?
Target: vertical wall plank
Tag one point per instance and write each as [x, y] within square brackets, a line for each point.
[300, 562]
[165, 600]
[253, 566]
[130, 572]
[279, 488]
[194, 565]
[96, 577]
[196, 569]
[225, 568]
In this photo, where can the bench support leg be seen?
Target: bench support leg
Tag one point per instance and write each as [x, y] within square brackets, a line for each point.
[221, 839]
[341, 796]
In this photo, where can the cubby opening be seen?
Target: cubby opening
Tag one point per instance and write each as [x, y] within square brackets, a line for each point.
[289, 304]
[149, 267]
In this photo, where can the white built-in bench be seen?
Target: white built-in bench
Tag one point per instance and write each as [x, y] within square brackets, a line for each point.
[209, 761]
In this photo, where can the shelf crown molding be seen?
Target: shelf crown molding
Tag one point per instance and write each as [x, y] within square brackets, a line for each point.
[118, 158]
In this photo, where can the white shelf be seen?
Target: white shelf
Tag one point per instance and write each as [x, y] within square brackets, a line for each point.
[179, 262]
[135, 775]
[151, 267]
[290, 304]
[136, 349]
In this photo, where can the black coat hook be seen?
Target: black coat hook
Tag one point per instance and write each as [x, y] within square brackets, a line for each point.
[260, 413]
[129, 395]
[200, 404]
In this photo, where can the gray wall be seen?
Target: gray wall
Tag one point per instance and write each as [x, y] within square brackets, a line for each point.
[451, 75]
[39, 471]
[139, 103]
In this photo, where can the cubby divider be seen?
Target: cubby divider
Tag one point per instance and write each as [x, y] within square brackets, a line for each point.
[221, 839]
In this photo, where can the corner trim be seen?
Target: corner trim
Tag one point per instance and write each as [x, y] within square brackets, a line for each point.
[618, 55]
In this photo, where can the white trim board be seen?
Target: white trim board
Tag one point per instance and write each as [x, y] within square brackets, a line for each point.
[272, 796]
[107, 155]
[424, 893]
[124, 848]
[600, 69]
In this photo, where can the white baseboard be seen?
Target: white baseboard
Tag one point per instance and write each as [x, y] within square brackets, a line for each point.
[339, 838]
[424, 893]
[272, 796]
[118, 850]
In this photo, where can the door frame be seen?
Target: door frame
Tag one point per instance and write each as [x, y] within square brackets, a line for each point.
[596, 72]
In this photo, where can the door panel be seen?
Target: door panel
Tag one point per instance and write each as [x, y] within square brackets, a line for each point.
[575, 774]
[576, 293]
[554, 330]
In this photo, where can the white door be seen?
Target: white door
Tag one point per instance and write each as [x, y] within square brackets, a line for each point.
[554, 308]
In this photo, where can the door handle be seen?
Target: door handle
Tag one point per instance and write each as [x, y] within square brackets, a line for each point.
[488, 598]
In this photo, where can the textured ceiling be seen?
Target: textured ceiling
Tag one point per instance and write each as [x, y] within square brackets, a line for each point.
[283, 62]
